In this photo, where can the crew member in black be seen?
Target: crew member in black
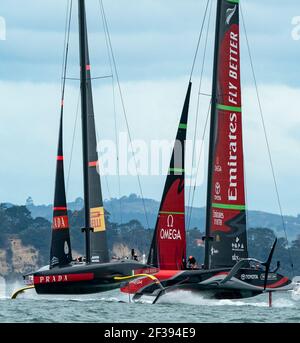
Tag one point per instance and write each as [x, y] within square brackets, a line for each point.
[192, 262]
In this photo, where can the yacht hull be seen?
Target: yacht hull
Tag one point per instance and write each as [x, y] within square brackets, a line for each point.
[244, 284]
[81, 278]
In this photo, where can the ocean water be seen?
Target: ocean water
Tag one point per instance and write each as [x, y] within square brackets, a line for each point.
[180, 306]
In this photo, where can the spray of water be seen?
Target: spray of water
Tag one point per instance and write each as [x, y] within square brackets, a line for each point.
[281, 300]
[2, 288]
[189, 298]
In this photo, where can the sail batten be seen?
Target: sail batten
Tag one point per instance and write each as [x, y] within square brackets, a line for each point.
[226, 212]
[168, 247]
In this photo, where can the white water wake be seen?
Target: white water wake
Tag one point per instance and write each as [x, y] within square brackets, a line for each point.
[2, 288]
[296, 294]
[189, 298]
[280, 300]
[30, 294]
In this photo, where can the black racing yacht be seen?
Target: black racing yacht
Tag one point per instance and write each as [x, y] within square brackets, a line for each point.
[95, 273]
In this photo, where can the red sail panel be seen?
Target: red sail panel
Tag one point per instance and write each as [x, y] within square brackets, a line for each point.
[171, 242]
[228, 218]
[168, 248]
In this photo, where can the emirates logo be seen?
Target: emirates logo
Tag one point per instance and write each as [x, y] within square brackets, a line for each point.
[217, 188]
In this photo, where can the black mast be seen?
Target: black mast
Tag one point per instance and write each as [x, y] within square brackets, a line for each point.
[207, 236]
[83, 87]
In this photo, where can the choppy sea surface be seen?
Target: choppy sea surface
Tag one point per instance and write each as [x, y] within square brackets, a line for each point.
[179, 306]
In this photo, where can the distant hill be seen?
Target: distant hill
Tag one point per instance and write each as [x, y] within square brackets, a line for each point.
[25, 241]
[130, 207]
[45, 211]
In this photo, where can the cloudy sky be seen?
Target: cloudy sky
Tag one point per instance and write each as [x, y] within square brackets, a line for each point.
[154, 43]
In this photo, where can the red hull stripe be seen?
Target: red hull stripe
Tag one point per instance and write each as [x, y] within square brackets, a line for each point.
[221, 273]
[278, 283]
[59, 208]
[60, 158]
[135, 285]
[93, 164]
[151, 270]
[167, 274]
[40, 280]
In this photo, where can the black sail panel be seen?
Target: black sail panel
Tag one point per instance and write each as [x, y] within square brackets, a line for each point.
[168, 247]
[99, 250]
[60, 252]
[227, 215]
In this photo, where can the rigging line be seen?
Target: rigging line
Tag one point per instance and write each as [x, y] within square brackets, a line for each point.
[246, 196]
[101, 77]
[66, 47]
[206, 94]
[115, 113]
[199, 40]
[104, 175]
[71, 78]
[124, 111]
[88, 78]
[198, 99]
[105, 178]
[109, 194]
[118, 158]
[246, 190]
[73, 142]
[267, 141]
[198, 164]
[65, 42]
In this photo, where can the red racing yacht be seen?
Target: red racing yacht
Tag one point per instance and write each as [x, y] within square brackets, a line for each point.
[228, 272]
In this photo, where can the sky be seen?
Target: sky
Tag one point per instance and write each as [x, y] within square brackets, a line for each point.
[154, 43]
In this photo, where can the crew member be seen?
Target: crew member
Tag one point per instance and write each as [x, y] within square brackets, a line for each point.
[79, 259]
[192, 263]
